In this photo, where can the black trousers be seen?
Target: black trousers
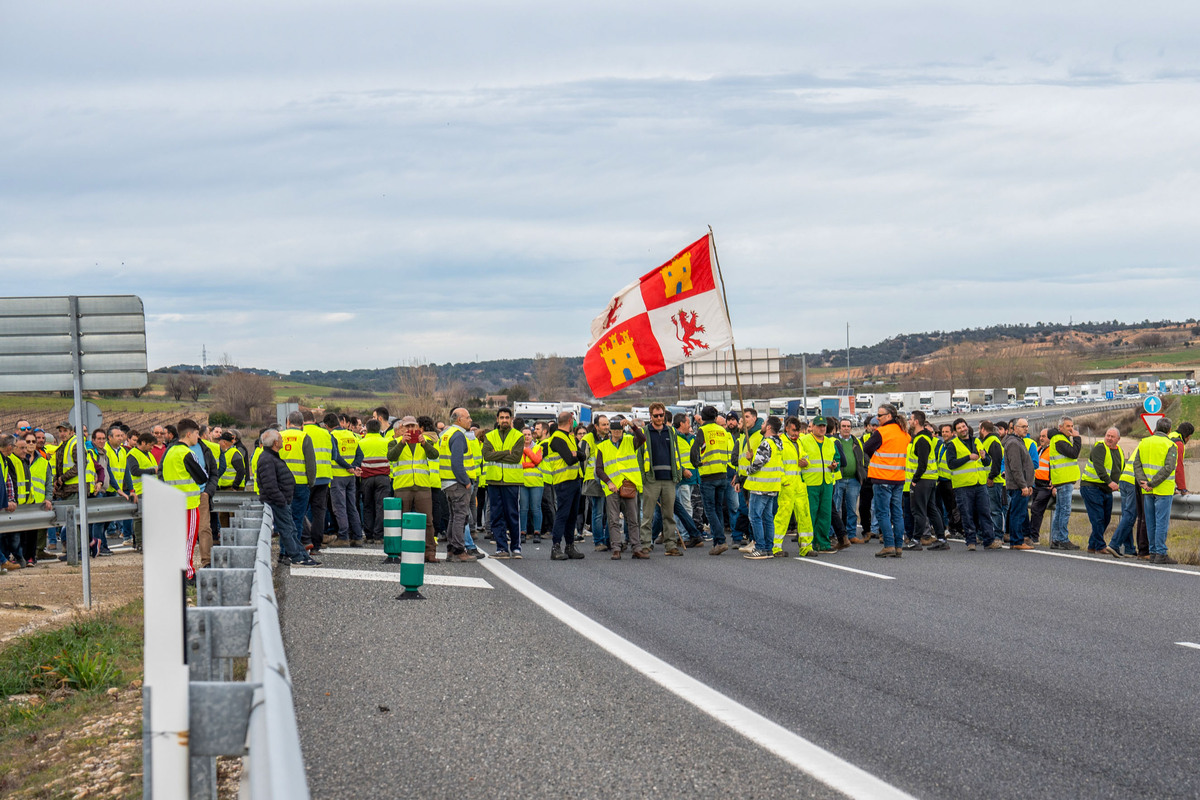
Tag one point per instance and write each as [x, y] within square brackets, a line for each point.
[925, 513]
[441, 512]
[318, 510]
[1037, 507]
[865, 495]
[945, 496]
[374, 489]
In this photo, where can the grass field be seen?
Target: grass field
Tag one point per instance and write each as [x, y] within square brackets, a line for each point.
[1183, 355]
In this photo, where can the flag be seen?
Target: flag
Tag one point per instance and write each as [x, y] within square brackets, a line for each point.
[672, 314]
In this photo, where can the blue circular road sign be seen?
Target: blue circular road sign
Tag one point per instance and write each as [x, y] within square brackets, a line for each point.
[1152, 404]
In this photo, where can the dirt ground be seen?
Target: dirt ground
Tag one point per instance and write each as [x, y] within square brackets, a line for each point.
[49, 593]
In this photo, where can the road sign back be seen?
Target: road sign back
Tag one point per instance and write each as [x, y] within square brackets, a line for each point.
[1151, 420]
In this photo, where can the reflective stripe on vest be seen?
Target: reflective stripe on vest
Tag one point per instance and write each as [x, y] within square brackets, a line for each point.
[769, 477]
[322, 441]
[1063, 469]
[1089, 469]
[716, 449]
[292, 453]
[987, 448]
[411, 468]
[144, 461]
[791, 462]
[910, 464]
[445, 468]
[347, 447]
[820, 460]
[970, 473]
[496, 472]
[621, 462]
[743, 446]
[174, 473]
[1152, 453]
[887, 463]
[555, 468]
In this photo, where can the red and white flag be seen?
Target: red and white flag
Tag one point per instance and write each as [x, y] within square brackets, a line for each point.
[672, 314]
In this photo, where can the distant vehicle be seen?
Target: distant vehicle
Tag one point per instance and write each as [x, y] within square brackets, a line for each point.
[1050, 401]
[976, 407]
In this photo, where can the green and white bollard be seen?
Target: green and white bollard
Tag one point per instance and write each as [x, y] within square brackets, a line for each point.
[392, 536]
[412, 562]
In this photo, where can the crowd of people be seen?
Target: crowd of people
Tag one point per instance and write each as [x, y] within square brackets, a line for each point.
[680, 481]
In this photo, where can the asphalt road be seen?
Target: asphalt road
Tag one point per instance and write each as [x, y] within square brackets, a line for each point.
[986, 674]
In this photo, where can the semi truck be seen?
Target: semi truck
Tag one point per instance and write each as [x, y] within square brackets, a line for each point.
[548, 412]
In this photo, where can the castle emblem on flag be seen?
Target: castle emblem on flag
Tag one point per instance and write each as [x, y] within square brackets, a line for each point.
[677, 276]
[622, 360]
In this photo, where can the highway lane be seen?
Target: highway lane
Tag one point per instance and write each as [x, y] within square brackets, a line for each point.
[987, 674]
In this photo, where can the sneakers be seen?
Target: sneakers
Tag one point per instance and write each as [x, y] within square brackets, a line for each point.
[502, 554]
[746, 548]
[1161, 558]
[1066, 544]
[940, 544]
[756, 554]
[694, 543]
[517, 554]
[10, 565]
[718, 549]
[912, 544]
[306, 561]
[337, 542]
[927, 540]
[479, 554]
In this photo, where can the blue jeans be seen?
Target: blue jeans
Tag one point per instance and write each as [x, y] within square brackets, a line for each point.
[1097, 499]
[845, 502]
[503, 503]
[285, 526]
[1158, 519]
[761, 510]
[299, 509]
[997, 499]
[887, 506]
[718, 496]
[599, 523]
[976, 513]
[1062, 512]
[530, 502]
[1123, 536]
[1017, 518]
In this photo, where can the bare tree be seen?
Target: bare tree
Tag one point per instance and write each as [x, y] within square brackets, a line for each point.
[175, 386]
[1060, 367]
[416, 383]
[195, 386]
[549, 374]
[243, 396]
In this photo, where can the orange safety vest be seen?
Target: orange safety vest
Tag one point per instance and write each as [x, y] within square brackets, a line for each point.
[1042, 473]
[888, 462]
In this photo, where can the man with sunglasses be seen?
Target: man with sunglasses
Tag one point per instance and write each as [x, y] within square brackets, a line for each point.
[662, 468]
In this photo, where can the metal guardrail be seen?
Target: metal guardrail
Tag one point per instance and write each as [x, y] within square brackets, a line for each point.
[1185, 507]
[196, 705]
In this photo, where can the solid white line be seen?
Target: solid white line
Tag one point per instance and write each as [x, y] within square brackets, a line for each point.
[1192, 645]
[352, 551]
[1113, 562]
[820, 563]
[390, 577]
[796, 750]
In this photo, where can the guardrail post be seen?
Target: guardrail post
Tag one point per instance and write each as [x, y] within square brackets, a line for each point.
[393, 512]
[412, 564]
[165, 680]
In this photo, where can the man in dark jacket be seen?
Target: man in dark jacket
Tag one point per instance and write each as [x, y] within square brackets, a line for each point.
[854, 471]
[1018, 479]
[276, 486]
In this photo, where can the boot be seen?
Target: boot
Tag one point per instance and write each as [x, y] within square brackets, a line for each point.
[571, 551]
[556, 553]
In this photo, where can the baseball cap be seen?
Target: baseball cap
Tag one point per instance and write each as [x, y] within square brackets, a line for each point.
[409, 420]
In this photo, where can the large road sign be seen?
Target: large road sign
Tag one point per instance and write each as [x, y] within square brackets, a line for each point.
[40, 338]
[59, 344]
[1152, 404]
[1151, 420]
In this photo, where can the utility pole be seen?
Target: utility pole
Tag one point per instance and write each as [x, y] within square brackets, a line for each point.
[847, 356]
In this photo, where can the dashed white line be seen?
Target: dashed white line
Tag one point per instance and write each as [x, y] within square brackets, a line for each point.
[847, 569]
[1192, 645]
[389, 577]
[796, 750]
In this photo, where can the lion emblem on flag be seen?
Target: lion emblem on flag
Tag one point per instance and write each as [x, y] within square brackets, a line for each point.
[686, 329]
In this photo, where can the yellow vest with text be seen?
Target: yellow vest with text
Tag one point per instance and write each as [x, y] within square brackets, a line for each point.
[716, 450]
[445, 469]
[292, 453]
[347, 447]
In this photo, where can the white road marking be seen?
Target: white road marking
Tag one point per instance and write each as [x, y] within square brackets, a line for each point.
[353, 551]
[1114, 562]
[1192, 645]
[820, 563]
[796, 750]
[390, 577]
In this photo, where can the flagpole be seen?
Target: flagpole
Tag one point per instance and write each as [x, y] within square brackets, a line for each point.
[725, 300]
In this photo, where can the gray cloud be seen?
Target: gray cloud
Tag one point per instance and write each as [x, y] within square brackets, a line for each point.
[260, 174]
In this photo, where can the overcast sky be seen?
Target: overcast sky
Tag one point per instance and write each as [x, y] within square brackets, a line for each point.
[354, 184]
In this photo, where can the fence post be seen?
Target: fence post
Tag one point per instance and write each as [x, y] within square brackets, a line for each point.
[412, 557]
[165, 681]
